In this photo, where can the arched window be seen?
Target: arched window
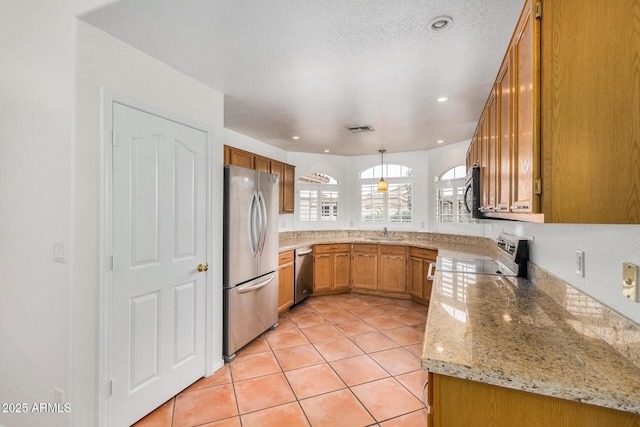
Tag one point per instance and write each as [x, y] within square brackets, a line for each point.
[449, 197]
[319, 196]
[386, 207]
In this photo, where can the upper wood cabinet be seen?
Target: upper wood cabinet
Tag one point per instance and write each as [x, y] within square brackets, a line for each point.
[235, 156]
[569, 89]
[504, 96]
[525, 167]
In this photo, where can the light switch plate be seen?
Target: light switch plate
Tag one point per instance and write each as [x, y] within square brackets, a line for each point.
[630, 281]
[59, 252]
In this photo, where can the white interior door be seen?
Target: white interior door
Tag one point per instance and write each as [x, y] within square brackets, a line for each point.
[157, 315]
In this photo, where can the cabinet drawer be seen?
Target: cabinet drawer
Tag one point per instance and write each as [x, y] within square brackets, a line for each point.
[423, 253]
[369, 249]
[393, 249]
[330, 249]
[285, 257]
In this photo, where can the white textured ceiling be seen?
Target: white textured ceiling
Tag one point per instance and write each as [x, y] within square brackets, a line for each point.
[314, 68]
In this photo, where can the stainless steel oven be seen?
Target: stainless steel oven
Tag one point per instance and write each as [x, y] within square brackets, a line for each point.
[472, 192]
[513, 255]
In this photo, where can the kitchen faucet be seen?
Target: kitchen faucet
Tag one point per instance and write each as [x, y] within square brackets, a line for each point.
[385, 233]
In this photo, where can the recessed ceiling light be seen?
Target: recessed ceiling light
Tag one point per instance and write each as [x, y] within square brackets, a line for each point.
[442, 99]
[440, 141]
[295, 137]
[327, 151]
[440, 23]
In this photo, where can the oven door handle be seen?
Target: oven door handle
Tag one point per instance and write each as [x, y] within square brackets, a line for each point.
[430, 272]
[307, 252]
[256, 287]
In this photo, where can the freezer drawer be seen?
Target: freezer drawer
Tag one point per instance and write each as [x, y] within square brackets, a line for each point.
[249, 310]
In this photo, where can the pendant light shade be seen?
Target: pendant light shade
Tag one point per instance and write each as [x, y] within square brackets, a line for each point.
[382, 184]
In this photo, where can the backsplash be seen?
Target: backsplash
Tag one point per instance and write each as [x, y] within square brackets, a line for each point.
[448, 239]
[620, 332]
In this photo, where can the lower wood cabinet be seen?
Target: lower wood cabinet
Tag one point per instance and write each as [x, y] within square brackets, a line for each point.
[392, 274]
[331, 267]
[376, 268]
[286, 275]
[458, 402]
[364, 268]
[419, 283]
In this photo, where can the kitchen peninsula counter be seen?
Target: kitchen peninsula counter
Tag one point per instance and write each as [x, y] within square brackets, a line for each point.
[508, 333]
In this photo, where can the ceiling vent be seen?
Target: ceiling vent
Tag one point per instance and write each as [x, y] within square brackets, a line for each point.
[360, 129]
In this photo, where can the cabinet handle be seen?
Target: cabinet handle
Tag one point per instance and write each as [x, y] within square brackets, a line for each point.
[393, 257]
[367, 255]
[502, 208]
[519, 207]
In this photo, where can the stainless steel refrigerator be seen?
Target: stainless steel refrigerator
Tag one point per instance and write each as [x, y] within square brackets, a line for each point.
[250, 268]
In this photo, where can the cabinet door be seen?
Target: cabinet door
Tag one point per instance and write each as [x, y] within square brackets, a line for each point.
[285, 286]
[342, 271]
[261, 164]
[525, 147]
[504, 119]
[241, 158]
[416, 277]
[393, 273]
[277, 168]
[491, 130]
[365, 270]
[322, 272]
[483, 140]
[288, 189]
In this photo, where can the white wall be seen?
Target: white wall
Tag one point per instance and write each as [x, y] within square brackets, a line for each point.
[36, 198]
[50, 190]
[104, 62]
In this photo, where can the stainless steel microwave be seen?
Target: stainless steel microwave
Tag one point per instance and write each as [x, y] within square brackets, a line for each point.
[472, 192]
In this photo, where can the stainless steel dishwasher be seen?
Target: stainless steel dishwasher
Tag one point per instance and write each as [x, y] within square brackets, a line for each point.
[303, 282]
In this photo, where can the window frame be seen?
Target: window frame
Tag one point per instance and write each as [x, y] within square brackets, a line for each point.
[372, 182]
[333, 186]
[460, 220]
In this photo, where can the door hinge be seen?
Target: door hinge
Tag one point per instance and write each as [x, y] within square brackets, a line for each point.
[110, 388]
[538, 10]
[113, 138]
[537, 186]
[113, 263]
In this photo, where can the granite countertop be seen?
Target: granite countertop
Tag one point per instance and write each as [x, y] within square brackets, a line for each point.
[454, 244]
[506, 332]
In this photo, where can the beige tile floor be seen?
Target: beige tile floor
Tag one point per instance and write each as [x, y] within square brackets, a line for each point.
[340, 360]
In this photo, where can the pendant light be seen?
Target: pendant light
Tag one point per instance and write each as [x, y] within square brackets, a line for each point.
[382, 184]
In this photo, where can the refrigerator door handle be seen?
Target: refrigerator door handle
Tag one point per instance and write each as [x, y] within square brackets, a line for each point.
[263, 223]
[252, 224]
[256, 287]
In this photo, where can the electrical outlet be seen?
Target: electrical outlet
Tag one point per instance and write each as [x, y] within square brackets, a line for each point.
[580, 263]
[630, 281]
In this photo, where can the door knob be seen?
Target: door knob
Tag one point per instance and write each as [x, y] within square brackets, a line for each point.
[203, 267]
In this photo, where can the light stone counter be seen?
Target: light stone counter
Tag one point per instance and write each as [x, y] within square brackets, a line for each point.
[507, 332]
[479, 246]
